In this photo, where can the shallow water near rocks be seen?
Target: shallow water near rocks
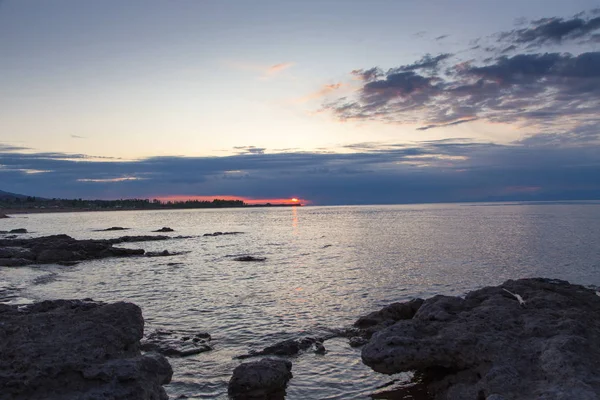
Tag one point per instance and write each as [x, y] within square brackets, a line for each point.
[324, 267]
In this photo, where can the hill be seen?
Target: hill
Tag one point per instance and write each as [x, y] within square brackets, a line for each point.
[10, 196]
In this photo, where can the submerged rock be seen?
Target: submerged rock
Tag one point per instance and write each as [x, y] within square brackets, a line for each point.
[222, 233]
[18, 230]
[164, 229]
[113, 228]
[249, 259]
[288, 347]
[264, 379]
[76, 349]
[488, 346]
[172, 344]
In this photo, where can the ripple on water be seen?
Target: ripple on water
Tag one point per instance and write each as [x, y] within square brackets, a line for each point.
[379, 255]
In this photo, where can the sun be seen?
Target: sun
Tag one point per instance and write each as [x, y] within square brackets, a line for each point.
[294, 200]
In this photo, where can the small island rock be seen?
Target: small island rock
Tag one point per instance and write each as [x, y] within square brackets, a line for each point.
[262, 379]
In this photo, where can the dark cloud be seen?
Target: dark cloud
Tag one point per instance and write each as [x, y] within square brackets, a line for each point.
[460, 121]
[543, 89]
[432, 171]
[368, 74]
[249, 150]
[426, 63]
[554, 30]
[441, 37]
[9, 147]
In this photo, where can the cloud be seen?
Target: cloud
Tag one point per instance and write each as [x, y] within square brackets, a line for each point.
[77, 137]
[322, 92]
[553, 30]
[441, 37]
[265, 71]
[9, 147]
[277, 68]
[372, 172]
[249, 150]
[553, 91]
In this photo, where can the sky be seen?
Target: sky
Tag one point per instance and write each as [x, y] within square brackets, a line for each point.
[328, 101]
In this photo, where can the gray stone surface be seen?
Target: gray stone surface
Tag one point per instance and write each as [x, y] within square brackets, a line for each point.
[63, 249]
[176, 344]
[73, 349]
[490, 346]
[263, 379]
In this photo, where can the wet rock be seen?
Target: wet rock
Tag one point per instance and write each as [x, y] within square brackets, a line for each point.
[75, 349]
[141, 238]
[264, 379]
[164, 253]
[61, 249]
[320, 348]
[164, 229]
[388, 316]
[112, 228]
[489, 346]
[14, 262]
[173, 344]
[16, 252]
[288, 347]
[249, 259]
[222, 233]
[19, 230]
[357, 341]
[2, 216]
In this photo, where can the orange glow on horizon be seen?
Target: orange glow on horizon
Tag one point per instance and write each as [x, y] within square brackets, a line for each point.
[247, 200]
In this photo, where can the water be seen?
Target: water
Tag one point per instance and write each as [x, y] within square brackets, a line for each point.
[325, 267]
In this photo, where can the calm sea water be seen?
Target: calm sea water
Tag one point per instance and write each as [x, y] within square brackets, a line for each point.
[325, 267]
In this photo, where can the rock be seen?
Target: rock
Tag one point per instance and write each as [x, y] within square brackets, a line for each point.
[288, 347]
[171, 344]
[142, 238]
[113, 228]
[164, 229]
[222, 233]
[488, 346]
[61, 249]
[19, 230]
[164, 253]
[387, 316]
[249, 259]
[16, 252]
[2, 216]
[320, 348]
[264, 379]
[357, 341]
[76, 349]
[14, 262]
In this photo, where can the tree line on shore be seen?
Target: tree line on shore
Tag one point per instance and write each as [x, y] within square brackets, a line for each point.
[31, 202]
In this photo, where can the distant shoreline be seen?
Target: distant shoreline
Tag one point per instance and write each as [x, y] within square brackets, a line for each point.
[17, 211]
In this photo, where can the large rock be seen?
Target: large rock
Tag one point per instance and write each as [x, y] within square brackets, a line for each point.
[64, 249]
[387, 316]
[61, 349]
[264, 379]
[489, 346]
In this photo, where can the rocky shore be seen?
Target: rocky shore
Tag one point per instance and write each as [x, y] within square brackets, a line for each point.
[525, 339]
[77, 349]
[63, 249]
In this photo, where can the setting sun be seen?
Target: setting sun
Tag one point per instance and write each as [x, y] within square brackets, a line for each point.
[295, 200]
